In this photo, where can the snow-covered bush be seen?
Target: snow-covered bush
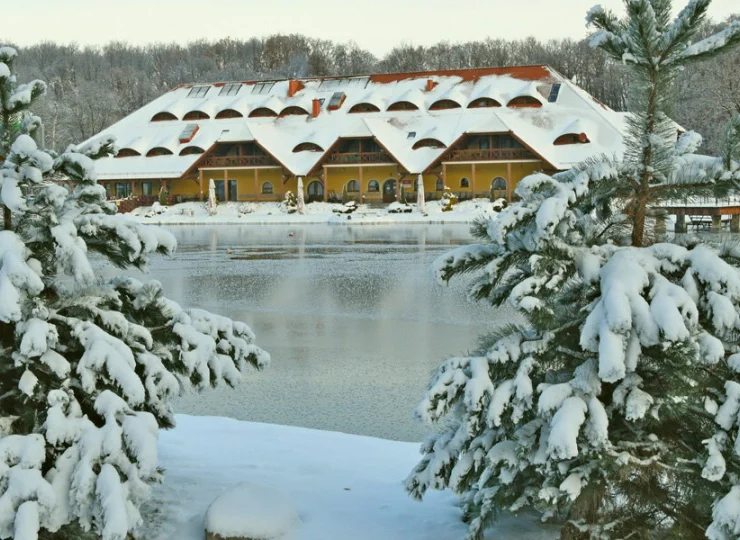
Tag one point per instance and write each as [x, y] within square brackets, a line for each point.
[290, 204]
[613, 407]
[448, 201]
[399, 208]
[499, 204]
[346, 208]
[88, 367]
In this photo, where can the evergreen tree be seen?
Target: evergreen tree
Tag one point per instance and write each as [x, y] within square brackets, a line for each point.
[613, 406]
[88, 366]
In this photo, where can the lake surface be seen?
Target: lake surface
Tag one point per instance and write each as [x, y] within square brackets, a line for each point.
[352, 317]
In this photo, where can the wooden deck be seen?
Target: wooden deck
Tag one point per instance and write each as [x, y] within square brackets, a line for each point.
[706, 213]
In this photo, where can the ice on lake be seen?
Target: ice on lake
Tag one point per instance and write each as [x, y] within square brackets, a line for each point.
[352, 317]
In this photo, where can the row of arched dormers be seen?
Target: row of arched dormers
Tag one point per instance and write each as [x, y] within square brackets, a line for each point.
[160, 151]
[260, 112]
[362, 107]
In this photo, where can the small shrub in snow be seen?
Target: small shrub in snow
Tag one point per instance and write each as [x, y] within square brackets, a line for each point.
[346, 208]
[88, 367]
[448, 201]
[499, 204]
[614, 406]
[290, 204]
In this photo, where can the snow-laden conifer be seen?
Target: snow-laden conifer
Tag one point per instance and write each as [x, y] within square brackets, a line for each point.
[612, 405]
[88, 366]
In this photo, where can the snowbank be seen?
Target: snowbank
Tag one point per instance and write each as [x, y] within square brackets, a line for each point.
[251, 511]
[316, 212]
[343, 486]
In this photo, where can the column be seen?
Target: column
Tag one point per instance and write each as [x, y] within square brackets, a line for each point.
[680, 224]
[200, 183]
[716, 223]
[326, 184]
[509, 182]
[735, 223]
[472, 179]
[362, 181]
[226, 185]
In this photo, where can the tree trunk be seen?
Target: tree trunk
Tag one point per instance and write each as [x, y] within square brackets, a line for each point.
[638, 221]
[7, 219]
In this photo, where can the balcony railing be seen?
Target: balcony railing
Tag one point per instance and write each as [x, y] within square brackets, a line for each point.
[490, 154]
[238, 161]
[359, 157]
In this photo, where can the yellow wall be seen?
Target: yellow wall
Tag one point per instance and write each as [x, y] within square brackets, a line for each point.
[486, 172]
[337, 178]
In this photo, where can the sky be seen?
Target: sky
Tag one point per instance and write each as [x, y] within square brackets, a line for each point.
[375, 25]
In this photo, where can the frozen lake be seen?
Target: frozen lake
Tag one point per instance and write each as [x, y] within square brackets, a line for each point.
[352, 318]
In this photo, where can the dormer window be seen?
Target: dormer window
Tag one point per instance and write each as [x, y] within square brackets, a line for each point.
[127, 152]
[230, 89]
[294, 110]
[364, 108]
[483, 102]
[228, 113]
[196, 115]
[198, 91]
[571, 138]
[429, 143]
[308, 147]
[262, 112]
[402, 106]
[524, 101]
[443, 104]
[191, 150]
[163, 117]
[159, 151]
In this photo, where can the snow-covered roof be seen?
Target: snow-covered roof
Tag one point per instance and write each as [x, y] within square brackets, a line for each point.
[396, 131]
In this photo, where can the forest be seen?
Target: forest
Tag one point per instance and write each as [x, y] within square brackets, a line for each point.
[92, 87]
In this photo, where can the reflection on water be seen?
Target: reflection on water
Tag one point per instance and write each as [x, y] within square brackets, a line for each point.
[351, 316]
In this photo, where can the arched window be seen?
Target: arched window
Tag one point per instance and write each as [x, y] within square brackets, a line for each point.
[163, 117]
[498, 184]
[440, 185]
[373, 185]
[363, 108]
[196, 115]
[308, 147]
[353, 186]
[464, 183]
[293, 110]
[229, 113]
[444, 104]
[402, 106]
[127, 152]
[262, 112]
[159, 151]
[571, 138]
[429, 143]
[524, 101]
[190, 150]
[483, 102]
[267, 188]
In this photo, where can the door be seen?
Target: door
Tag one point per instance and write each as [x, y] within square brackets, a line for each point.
[315, 191]
[389, 190]
[221, 195]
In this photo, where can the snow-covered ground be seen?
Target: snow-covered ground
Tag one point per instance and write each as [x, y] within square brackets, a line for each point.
[343, 486]
[316, 212]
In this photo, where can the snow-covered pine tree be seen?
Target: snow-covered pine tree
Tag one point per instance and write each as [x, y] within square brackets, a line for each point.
[612, 407]
[88, 366]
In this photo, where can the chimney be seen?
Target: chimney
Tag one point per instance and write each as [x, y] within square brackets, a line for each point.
[430, 85]
[316, 109]
[294, 87]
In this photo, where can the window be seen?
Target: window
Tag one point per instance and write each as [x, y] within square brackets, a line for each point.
[293, 110]
[444, 104]
[188, 133]
[440, 185]
[524, 101]
[373, 185]
[353, 186]
[230, 89]
[146, 188]
[308, 147]
[196, 115]
[364, 108]
[483, 102]
[123, 189]
[127, 152]
[411, 135]
[506, 141]
[337, 98]
[571, 138]
[262, 112]
[464, 183]
[262, 88]
[554, 91]
[267, 188]
[198, 91]
[159, 151]
[429, 143]
[163, 117]
[498, 184]
[191, 150]
[334, 84]
[228, 113]
[402, 106]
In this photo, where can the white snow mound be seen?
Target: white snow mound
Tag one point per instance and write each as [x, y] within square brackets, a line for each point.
[251, 511]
